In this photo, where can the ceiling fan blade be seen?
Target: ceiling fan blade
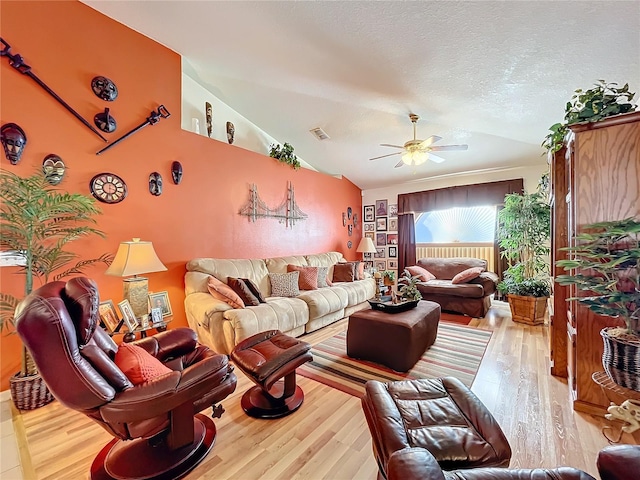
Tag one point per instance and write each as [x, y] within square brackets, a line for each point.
[389, 145]
[430, 141]
[448, 148]
[399, 164]
[383, 156]
[435, 158]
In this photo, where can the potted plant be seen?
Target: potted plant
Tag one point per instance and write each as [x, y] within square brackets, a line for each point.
[592, 105]
[606, 264]
[38, 221]
[523, 235]
[284, 154]
[409, 290]
[389, 277]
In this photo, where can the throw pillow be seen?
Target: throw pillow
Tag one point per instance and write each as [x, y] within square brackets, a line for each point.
[243, 291]
[344, 272]
[308, 279]
[424, 274]
[284, 284]
[358, 272]
[468, 274]
[254, 289]
[323, 277]
[139, 365]
[224, 292]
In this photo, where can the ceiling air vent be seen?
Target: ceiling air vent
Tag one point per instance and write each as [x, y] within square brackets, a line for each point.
[319, 133]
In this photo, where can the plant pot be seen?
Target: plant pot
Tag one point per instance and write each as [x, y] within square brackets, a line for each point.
[29, 392]
[388, 282]
[621, 359]
[529, 310]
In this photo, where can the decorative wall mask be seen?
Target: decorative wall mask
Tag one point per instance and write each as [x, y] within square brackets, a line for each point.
[208, 110]
[105, 122]
[104, 88]
[231, 131]
[13, 140]
[350, 229]
[349, 244]
[344, 219]
[355, 220]
[53, 168]
[155, 184]
[349, 212]
[176, 172]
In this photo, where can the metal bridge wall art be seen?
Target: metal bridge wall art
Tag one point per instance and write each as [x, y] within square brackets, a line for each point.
[287, 212]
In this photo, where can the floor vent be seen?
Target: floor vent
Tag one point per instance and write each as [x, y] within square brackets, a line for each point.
[319, 133]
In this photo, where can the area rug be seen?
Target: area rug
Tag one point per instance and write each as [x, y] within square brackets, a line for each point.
[457, 352]
[452, 317]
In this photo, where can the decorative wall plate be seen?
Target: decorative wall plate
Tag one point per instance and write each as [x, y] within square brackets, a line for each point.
[108, 188]
[349, 244]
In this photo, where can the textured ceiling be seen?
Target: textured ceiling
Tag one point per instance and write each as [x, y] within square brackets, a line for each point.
[494, 75]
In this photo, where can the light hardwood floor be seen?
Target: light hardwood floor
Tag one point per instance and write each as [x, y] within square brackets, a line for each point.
[328, 437]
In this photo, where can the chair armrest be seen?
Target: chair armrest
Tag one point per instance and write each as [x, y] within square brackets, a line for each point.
[169, 344]
[413, 463]
[617, 461]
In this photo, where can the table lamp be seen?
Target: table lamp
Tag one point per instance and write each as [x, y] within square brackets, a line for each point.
[366, 246]
[134, 258]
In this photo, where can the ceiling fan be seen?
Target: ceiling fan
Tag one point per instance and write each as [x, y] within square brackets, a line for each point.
[416, 152]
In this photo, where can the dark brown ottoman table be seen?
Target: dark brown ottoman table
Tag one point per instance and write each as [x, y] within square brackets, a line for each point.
[396, 340]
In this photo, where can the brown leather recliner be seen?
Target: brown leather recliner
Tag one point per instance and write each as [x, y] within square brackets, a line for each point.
[158, 434]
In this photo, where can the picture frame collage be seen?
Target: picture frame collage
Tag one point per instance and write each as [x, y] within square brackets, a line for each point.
[159, 310]
[381, 225]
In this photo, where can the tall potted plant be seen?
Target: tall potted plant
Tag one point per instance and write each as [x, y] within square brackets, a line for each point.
[606, 265]
[38, 222]
[523, 235]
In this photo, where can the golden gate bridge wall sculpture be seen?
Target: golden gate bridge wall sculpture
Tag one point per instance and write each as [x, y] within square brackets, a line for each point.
[287, 212]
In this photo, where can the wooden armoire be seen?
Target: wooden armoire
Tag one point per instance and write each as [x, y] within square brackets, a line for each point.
[596, 177]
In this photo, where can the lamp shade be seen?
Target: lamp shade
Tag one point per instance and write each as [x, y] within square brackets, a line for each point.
[366, 246]
[134, 258]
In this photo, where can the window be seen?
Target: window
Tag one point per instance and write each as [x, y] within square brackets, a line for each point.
[460, 224]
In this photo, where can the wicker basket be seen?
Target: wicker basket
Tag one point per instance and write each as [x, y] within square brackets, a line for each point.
[529, 310]
[621, 360]
[29, 392]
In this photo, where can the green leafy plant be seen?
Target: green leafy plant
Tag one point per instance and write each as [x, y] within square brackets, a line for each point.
[409, 289]
[607, 262]
[523, 235]
[284, 154]
[389, 275]
[38, 222]
[555, 138]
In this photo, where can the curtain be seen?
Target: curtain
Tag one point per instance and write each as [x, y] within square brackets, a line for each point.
[406, 242]
[500, 264]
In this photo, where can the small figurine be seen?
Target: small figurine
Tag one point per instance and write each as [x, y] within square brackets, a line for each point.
[176, 172]
[53, 168]
[105, 122]
[155, 184]
[13, 140]
[209, 114]
[104, 88]
[628, 412]
[231, 130]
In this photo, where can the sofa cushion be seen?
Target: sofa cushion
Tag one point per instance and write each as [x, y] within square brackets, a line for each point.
[221, 268]
[284, 284]
[324, 301]
[447, 268]
[466, 275]
[243, 291]
[445, 287]
[424, 274]
[359, 291]
[323, 279]
[344, 272]
[254, 289]
[328, 259]
[279, 264]
[308, 279]
[224, 292]
[139, 365]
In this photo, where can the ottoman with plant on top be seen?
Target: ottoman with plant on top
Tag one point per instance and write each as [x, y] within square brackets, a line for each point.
[396, 340]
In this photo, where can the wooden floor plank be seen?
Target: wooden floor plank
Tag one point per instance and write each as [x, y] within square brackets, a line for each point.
[328, 437]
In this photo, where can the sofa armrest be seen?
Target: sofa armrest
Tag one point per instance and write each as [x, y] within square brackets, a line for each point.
[488, 280]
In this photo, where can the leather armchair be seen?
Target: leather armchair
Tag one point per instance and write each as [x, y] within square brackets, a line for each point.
[158, 434]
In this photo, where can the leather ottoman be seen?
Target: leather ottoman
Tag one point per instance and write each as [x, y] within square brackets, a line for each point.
[396, 340]
[440, 415]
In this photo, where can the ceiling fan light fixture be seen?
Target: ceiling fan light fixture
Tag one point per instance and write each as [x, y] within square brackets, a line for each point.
[414, 157]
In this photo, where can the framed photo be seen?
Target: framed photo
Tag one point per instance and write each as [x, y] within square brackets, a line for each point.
[370, 235]
[108, 315]
[393, 210]
[380, 253]
[393, 252]
[392, 238]
[161, 300]
[381, 224]
[369, 227]
[369, 213]
[156, 316]
[381, 208]
[393, 224]
[128, 316]
[381, 266]
[393, 264]
[381, 239]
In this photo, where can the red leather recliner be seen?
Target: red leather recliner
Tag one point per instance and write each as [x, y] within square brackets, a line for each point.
[158, 434]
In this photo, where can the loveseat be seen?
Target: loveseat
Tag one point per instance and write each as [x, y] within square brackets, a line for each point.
[472, 297]
[222, 327]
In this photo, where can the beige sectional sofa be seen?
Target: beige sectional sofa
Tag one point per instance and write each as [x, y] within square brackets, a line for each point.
[222, 327]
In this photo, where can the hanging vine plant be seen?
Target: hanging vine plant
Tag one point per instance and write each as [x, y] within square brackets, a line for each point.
[284, 154]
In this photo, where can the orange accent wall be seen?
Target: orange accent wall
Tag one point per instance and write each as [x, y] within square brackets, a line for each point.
[67, 44]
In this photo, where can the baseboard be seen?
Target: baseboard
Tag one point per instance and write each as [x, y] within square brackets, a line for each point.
[5, 395]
